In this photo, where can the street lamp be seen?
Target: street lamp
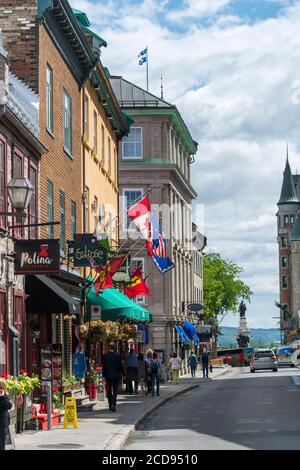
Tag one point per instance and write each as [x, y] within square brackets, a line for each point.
[19, 191]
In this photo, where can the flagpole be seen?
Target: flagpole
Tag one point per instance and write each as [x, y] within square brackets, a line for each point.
[147, 70]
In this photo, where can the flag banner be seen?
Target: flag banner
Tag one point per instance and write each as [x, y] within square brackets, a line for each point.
[140, 214]
[144, 52]
[104, 279]
[158, 244]
[143, 56]
[102, 238]
[163, 264]
[137, 285]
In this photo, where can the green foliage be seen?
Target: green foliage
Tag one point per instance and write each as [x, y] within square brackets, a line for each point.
[223, 288]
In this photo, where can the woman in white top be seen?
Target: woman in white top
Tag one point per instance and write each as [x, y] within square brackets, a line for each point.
[174, 365]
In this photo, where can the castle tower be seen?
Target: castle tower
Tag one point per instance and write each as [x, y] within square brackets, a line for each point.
[288, 209]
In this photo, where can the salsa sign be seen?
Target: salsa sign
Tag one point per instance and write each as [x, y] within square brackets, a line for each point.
[37, 256]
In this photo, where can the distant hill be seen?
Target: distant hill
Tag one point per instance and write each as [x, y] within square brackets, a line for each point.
[259, 336]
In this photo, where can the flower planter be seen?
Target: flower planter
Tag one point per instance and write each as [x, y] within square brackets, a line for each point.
[91, 390]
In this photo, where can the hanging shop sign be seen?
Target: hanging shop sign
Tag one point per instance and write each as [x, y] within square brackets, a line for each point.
[86, 250]
[37, 256]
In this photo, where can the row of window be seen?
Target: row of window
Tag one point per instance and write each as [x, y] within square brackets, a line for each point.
[62, 209]
[67, 111]
[288, 220]
[102, 138]
[18, 171]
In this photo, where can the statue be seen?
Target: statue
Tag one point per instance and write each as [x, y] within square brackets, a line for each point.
[242, 310]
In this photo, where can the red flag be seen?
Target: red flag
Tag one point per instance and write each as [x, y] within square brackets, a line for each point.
[137, 285]
[140, 214]
[104, 280]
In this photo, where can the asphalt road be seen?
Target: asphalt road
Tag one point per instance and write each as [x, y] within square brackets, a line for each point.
[237, 411]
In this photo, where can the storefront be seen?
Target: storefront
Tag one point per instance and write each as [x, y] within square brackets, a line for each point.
[52, 314]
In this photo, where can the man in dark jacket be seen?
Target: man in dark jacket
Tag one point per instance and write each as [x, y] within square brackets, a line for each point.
[205, 362]
[112, 371]
[5, 405]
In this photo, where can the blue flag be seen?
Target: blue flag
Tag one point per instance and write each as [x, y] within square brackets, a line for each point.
[143, 56]
[163, 264]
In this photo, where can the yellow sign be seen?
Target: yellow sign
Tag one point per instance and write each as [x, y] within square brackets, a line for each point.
[70, 413]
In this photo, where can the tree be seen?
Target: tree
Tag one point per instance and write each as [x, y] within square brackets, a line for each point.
[222, 287]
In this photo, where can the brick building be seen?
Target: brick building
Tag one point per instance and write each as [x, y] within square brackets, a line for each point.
[54, 57]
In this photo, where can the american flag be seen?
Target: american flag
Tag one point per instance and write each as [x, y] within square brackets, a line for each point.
[159, 247]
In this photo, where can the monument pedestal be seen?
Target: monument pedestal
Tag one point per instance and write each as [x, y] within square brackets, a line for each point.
[243, 333]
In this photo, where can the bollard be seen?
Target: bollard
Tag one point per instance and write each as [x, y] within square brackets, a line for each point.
[49, 406]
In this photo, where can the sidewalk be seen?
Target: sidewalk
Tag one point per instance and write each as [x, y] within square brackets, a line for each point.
[100, 429]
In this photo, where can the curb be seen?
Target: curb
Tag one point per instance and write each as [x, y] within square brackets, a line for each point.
[118, 440]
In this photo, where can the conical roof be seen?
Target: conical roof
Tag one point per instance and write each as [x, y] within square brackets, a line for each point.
[288, 192]
[295, 237]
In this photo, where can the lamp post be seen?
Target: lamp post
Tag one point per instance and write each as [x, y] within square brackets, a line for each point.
[20, 191]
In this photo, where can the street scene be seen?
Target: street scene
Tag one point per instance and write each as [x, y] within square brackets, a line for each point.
[149, 226]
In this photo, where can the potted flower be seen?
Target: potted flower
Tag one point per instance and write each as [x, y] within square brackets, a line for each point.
[91, 383]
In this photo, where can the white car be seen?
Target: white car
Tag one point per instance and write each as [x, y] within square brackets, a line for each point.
[263, 359]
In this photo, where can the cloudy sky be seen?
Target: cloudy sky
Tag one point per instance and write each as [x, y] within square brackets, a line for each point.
[233, 69]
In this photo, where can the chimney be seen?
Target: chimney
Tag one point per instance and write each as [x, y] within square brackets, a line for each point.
[3, 70]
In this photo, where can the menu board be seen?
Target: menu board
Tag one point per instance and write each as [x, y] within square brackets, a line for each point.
[46, 369]
[56, 368]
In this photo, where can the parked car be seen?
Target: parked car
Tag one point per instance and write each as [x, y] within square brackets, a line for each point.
[263, 359]
[284, 356]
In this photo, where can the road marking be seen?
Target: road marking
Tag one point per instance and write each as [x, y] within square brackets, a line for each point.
[296, 379]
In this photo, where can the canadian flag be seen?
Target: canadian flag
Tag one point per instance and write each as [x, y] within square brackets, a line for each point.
[140, 214]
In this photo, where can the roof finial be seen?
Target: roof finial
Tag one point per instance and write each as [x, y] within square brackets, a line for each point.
[287, 151]
[161, 88]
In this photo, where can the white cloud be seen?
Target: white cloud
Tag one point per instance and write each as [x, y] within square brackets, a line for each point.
[232, 82]
[197, 9]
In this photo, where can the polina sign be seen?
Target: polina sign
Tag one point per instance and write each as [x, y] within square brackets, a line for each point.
[37, 256]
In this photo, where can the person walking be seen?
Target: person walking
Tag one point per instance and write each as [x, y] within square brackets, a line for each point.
[149, 358]
[205, 362]
[154, 371]
[131, 371]
[175, 364]
[5, 405]
[192, 363]
[142, 373]
[169, 372]
[112, 371]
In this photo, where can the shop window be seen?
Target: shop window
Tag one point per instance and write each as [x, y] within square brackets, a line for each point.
[19, 324]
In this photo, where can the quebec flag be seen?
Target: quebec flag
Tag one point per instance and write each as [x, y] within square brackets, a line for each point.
[143, 56]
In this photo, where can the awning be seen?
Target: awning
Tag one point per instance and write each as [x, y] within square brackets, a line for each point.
[45, 296]
[117, 306]
[182, 334]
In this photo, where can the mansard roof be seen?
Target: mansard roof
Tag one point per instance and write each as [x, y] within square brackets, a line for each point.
[288, 192]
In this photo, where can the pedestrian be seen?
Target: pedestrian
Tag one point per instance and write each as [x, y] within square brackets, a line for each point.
[169, 372]
[175, 364]
[149, 357]
[192, 363]
[112, 371]
[142, 373]
[5, 405]
[131, 371]
[154, 371]
[205, 362]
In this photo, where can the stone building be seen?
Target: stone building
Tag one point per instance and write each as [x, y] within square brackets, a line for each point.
[157, 156]
[20, 154]
[288, 238]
